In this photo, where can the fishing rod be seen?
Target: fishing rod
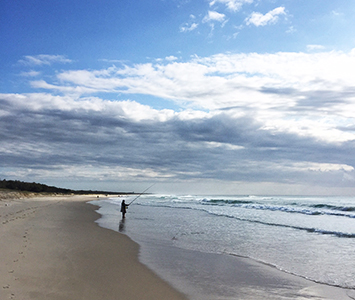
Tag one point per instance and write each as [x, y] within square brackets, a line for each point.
[141, 194]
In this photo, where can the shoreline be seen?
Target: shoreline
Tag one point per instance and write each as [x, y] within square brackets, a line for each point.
[210, 276]
[55, 250]
[287, 273]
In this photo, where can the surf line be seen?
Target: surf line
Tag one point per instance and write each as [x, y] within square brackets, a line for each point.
[141, 194]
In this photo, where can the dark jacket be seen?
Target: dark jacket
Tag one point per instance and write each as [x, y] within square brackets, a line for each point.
[123, 207]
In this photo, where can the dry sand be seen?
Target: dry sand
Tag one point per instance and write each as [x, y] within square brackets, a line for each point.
[51, 248]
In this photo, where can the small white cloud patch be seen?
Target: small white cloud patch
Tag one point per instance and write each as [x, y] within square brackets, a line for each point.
[271, 17]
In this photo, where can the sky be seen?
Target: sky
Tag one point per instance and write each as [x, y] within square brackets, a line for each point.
[197, 96]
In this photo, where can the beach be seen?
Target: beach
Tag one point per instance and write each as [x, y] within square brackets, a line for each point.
[51, 248]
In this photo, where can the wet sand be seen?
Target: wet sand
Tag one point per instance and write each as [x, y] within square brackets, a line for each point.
[51, 248]
[210, 276]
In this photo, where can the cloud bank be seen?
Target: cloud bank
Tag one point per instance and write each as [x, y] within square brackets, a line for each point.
[286, 118]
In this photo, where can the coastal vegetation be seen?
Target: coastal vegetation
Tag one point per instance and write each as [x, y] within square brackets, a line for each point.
[33, 187]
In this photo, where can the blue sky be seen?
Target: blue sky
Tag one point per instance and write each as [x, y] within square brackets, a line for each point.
[218, 96]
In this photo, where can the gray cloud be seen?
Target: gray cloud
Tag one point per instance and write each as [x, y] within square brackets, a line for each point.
[217, 146]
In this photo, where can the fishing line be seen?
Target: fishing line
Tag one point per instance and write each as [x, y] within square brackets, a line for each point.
[140, 194]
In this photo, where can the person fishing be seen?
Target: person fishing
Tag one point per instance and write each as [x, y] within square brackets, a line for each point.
[124, 205]
[123, 208]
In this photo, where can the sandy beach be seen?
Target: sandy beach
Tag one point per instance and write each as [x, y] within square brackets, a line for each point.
[51, 248]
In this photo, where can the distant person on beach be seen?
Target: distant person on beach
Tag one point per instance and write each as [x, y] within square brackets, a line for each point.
[123, 208]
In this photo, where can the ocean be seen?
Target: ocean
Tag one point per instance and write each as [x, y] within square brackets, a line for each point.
[310, 237]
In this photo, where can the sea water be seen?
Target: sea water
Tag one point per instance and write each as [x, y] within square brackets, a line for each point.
[311, 237]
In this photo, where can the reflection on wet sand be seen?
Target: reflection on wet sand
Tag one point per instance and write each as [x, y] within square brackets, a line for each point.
[121, 226]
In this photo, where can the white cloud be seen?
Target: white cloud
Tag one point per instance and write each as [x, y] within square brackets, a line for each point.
[30, 73]
[271, 17]
[120, 61]
[188, 27]
[43, 59]
[214, 16]
[171, 58]
[233, 5]
[315, 47]
[307, 94]
[327, 167]
[337, 13]
[291, 29]
[69, 90]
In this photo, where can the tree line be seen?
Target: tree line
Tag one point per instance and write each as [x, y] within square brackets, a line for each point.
[34, 187]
